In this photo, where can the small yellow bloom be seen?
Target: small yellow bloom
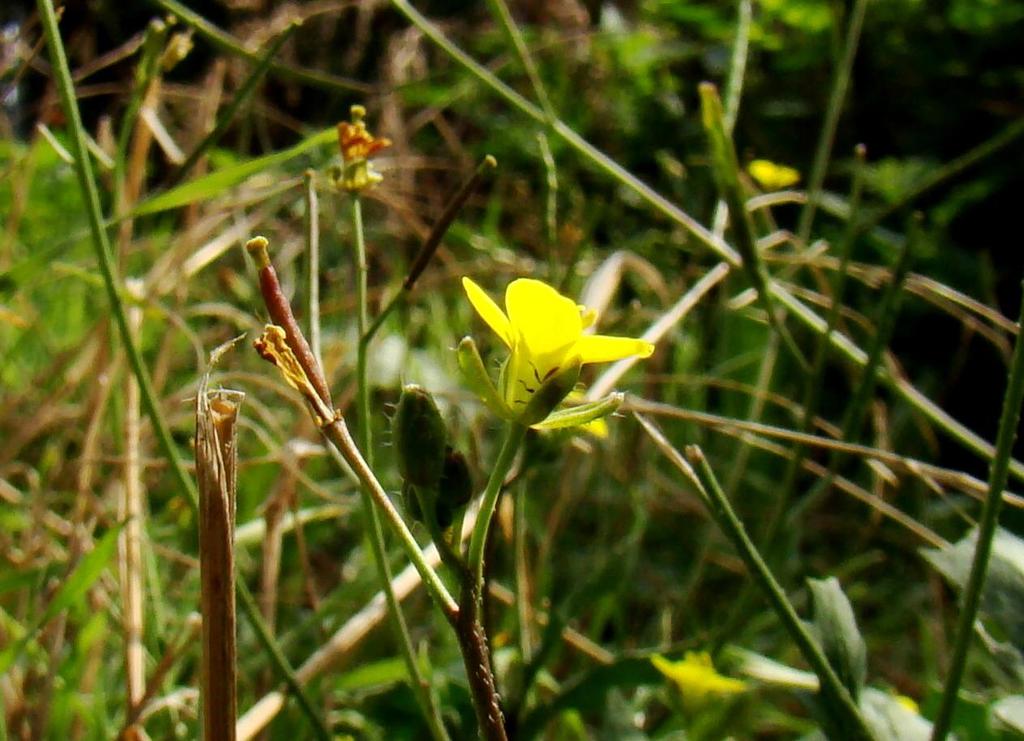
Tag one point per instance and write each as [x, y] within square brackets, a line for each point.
[908, 703]
[544, 332]
[696, 679]
[357, 146]
[772, 176]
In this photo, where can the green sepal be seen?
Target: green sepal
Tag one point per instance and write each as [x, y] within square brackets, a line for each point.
[582, 414]
[551, 393]
[475, 377]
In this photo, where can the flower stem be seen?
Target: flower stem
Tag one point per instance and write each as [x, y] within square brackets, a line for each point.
[513, 437]
[986, 532]
[375, 532]
[727, 519]
[476, 657]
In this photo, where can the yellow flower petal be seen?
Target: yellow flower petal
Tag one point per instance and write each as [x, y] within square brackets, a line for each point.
[772, 176]
[489, 311]
[696, 679]
[545, 321]
[599, 348]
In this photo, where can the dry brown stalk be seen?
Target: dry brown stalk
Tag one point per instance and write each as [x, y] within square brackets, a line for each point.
[130, 539]
[216, 463]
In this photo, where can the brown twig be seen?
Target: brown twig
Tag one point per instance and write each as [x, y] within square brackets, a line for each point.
[216, 462]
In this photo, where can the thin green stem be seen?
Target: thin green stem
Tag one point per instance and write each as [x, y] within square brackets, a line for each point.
[312, 264]
[521, 579]
[228, 43]
[944, 174]
[737, 65]
[111, 281]
[104, 253]
[449, 557]
[287, 673]
[725, 166]
[375, 531]
[813, 387]
[836, 100]
[515, 38]
[998, 474]
[243, 94]
[710, 491]
[510, 446]
[145, 71]
[340, 438]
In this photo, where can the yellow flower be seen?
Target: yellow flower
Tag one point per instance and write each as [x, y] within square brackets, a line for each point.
[772, 176]
[544, 332]
[696, 679]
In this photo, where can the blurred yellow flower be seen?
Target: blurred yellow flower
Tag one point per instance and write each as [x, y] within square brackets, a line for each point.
[357, 146]
[543, 331]
[772, 176]
[696, 679]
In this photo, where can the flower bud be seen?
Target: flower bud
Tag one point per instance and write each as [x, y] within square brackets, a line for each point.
[419, 436]
[455, 488]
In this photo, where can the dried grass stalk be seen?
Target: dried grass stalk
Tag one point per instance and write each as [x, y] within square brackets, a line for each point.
[216, 463]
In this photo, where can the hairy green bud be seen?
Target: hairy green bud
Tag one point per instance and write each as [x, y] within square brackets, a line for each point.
[419, 435]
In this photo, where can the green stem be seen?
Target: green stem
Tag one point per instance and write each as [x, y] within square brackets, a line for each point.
[737, 65]
[338, 434]
[228, 43]
[836, 99]
[287, 674]
[237, 101]
[998, 474]
[814, 386]
[723, 513]
[515, 38]
[475, 560]
[375, 534]
[944, 174]
[101, 243]
[312, 265]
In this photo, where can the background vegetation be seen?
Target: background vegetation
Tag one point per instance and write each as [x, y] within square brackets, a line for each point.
[612, 542]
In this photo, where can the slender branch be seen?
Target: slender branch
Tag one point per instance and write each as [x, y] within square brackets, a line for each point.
[375, 533]
[998, 473]
[477, 660]
[228, 43]
[337, 432]
[312, 264]
[475, 560]
[837, 98]
[240, 97]
[719, 507]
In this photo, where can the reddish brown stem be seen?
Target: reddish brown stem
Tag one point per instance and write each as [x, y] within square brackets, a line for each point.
[280, 311]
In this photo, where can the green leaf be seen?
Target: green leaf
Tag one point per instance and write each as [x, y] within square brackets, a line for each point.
[580, 415]
[85, 573]
[891, 719]
[375, 674]
[836, 627]
[218, 181]
[1002, 599]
